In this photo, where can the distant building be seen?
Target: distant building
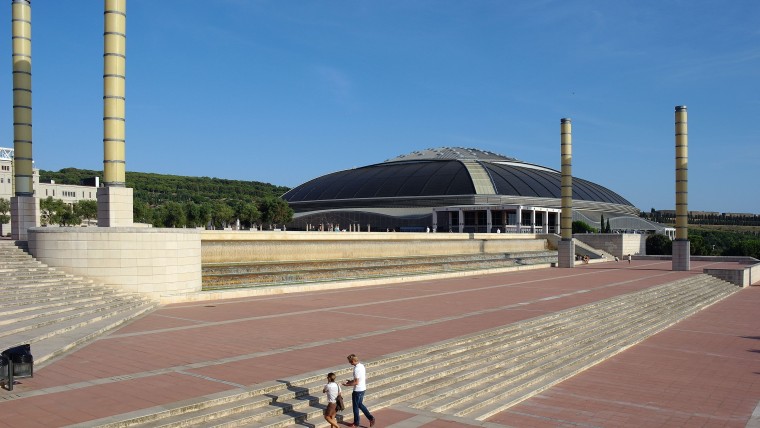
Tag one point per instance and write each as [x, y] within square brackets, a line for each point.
[66, 192]
[455, 189]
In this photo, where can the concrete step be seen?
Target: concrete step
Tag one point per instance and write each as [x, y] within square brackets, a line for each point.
[226, 276]
[53, 291]
[42, 327]
[303, 276]
[379, 387]
[47, 349]
[20, 308]
[54, 311]
[582, 348]
[518, 360]
[38, 316]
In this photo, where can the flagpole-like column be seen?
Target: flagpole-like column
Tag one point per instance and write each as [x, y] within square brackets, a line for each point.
[24, 205]
[114, 199]
[681, 245]
[566, 245]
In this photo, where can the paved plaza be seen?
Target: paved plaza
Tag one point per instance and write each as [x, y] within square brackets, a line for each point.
[701, 372]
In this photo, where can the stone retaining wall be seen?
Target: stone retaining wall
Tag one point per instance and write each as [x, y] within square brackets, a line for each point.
[617, 244]
[137, 259]
[235, 247]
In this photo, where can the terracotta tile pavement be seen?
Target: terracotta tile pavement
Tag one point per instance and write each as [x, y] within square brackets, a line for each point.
[704, 371]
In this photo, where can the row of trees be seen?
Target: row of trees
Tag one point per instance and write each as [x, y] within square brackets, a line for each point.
[583, 227]
[268, 211]
[701, 242]
[709, 243]
[55, 211]
[722, 219]
[177, 201]
[157, 189]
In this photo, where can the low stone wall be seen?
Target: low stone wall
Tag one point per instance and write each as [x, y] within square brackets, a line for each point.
[617, 244]
[239, 246]
[145, 260]
[748, 273]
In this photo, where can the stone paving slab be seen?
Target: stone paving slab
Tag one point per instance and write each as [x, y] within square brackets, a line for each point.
[704, 371]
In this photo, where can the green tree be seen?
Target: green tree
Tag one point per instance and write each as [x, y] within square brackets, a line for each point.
[659, 245]
[171, 214]
[749, 247]
[86, 209]
[5, 208]
[248, 214]
[275, 211]
[142, 213]
[67, 216]
[582, 227]
[222, 215]
[601, 225]
[194, 214]
[54, 211]
[607, 228]
[697, 246]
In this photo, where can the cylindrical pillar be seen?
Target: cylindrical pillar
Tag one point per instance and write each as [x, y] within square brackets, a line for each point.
[681, 245]
[682, 174]
[22, 97]
[566, 246]
[566, 223]
[114, 82]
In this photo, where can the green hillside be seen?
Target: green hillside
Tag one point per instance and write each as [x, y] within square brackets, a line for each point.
[156, 189]
[177, 201]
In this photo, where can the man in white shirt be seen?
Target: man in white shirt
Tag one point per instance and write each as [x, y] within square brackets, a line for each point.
[359, 382]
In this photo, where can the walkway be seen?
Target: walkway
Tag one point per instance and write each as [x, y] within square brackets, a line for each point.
[704, 371]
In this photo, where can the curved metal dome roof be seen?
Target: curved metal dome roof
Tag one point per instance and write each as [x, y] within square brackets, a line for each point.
[447, 171]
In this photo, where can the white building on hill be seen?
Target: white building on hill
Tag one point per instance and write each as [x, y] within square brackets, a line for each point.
[66, 192]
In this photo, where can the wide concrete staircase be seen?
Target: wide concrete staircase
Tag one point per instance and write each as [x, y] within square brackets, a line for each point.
[256, 274]
[54, 311]
[471, 377]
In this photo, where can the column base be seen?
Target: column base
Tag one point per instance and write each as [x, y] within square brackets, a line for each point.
[566, 253]
[115, 207]
[25, 213]
[681, 255]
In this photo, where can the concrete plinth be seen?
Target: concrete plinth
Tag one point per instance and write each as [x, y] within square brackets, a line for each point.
[681, 255]
[25, 214]
[115, 207]
[566, 253]
[151, 261]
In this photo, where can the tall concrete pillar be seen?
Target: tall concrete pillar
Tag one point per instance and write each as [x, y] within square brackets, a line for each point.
[114, 199]
[545, 221]
[25, 207]
[681, 245]
[519, 219]
[566, 246]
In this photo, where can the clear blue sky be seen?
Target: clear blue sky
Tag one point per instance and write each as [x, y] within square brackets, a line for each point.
[285, 91]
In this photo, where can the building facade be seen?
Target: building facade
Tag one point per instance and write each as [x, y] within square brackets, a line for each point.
[66, 192]
[453, 189]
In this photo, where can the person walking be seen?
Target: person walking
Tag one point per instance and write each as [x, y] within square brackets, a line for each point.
[332, 389]
[629, 258]
[359, 382]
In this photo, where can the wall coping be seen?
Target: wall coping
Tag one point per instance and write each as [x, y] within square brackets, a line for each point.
[141, 230]
[226, 235]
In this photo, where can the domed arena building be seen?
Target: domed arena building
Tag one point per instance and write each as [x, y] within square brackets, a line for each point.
[453, 189]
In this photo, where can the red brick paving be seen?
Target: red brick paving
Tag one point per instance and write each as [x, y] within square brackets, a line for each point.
[704, 371]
